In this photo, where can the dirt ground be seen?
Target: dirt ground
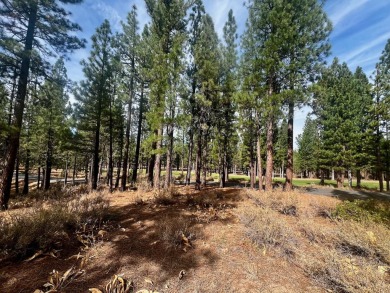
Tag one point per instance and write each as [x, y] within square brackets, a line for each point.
[194, 242]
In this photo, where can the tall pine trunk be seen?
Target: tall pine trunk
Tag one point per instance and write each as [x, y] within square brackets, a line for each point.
[190, 151]
[290, 147]
[139, 133]
[168, 175]
[259, 163]
[13, 147]
[74, 170]
[110, 151]
[157, 163]
[49, 156]
[198, 160]
[26, 172]
[270, 154]
[17, 175]
[95, 162]
[127, 138]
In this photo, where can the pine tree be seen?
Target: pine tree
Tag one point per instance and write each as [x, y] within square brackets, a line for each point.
[129, 42]
[338, 112]
[47, 28]
[308, 147]
[94, 95]
[167, 38]
[225, 120]
[382, 116]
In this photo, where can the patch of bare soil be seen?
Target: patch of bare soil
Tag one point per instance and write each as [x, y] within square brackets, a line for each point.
[209, 241]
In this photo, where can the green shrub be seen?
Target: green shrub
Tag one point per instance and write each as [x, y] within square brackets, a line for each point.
[363, 211]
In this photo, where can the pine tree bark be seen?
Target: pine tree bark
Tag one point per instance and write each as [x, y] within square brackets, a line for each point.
[157, 163]
[168, 175]
[110, 173]
[198, 160]
[270, 153]
[139, 133]
[26, 172]
[127, 139]
[358, 179]
[49, 155]
[95, 162]
[12, 150]
[290, 147]
[259, 163]
[66, 172]
[17, 175]
[190, 151]
[74, 170]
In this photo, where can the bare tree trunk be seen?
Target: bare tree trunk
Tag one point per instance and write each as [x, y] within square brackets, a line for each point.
[74, 170]
[339, 178]
[199, 161]
[221, 170]
[139, 132]
[259, 163]
[49, 155]
[290, 147]
[358, 179]
[205, 163]
[190, 150]
[96, 161]
[168, 174]
[110, 173]
[13, 147]
[26, 172]
[157, 163]
[38, 179]
[17, 175]
[270, 154]
[127, 144]
[253, 172]
[66, 172]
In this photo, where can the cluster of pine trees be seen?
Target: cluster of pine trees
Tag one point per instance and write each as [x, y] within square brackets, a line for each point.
[174, 95]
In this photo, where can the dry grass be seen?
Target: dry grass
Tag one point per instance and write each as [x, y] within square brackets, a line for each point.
[48, 227]
[225, 240]
[267, 230]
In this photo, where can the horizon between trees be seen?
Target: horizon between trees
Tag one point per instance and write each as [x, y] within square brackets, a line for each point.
[173, 96]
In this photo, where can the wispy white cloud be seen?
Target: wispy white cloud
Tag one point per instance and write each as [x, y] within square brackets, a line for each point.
[108, 12]
[350, 56]
[339, 10]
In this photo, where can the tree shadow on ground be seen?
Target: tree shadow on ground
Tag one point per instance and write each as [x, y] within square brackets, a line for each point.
[146, 242]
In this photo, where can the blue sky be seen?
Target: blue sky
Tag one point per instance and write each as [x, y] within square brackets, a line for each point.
[361, 29]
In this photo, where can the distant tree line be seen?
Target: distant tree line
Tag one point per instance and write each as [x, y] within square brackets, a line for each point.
[174, 95]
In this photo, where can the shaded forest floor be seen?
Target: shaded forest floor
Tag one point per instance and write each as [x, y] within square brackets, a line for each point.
[215, 240]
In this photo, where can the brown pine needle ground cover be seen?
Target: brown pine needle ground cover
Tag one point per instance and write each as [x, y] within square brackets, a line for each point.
[231, 240]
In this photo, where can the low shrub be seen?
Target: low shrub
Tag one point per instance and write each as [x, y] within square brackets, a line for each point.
[340, 273]
[177, 232]
[364, 211]
[49, 227]
[266, 229]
